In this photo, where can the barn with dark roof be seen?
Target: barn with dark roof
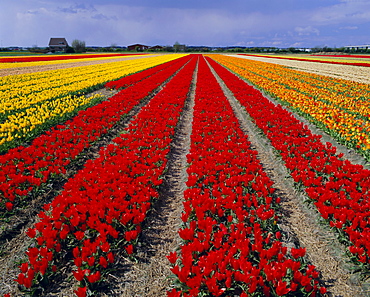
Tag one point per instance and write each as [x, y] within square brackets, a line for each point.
[58, 44]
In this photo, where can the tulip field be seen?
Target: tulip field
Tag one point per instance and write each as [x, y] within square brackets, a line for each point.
[93, 155]
[354, 60]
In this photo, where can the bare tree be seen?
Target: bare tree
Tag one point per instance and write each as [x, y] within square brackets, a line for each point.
[79, 46]
[176, 46]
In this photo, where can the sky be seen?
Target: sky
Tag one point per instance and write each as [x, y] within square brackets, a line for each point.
[267, 23]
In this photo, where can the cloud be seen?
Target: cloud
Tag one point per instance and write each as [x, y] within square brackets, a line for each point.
[348, 11]
[77, 8]
[309, 30]
[103, 17]
[193, 22]
[31, 11]
[348, 28]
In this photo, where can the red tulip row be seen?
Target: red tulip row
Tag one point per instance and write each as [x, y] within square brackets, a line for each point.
[131, 79]
[340, 190]
[26, 168]
[59, 57]
[104, 204]
[344, 56]
[231, 243]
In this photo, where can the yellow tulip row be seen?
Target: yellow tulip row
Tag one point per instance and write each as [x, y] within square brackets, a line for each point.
[22, 91]
[54, 62]
[29, 100]
[22, 123]
[340, 106]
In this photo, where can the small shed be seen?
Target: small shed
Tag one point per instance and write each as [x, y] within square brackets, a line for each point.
[138, 47]
[58, 44]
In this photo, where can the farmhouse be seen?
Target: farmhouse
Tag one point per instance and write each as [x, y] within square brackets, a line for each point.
[138, 47]
[58, 44]
[156, 48]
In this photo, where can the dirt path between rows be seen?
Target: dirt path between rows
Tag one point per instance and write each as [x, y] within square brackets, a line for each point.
[64, 65]
[150, 276]
[299, 221]
[14, 242]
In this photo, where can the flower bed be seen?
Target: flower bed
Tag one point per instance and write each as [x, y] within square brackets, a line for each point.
[26, 168]
[231, 243]
[318, 60]
[59, 57]
[97, 213]
[339, 107]
[354, 56]
[339, 189]
[28, 102]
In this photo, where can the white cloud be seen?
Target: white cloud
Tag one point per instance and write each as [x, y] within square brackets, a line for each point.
[188, 26]
[309, 30]
[348, 11]
[77, 8]
[97, 22]
[348, 28]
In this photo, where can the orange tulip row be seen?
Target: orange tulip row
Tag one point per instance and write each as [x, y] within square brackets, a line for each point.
[340, 107]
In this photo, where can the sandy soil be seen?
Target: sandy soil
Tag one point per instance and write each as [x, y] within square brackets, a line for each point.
[300, 222]
[150, 273]
[148, 276]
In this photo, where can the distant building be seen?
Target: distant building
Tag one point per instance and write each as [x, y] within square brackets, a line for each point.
[14, 48]
[58, 44]
[156, 48]
[357, 47]
[304, 50]
[138, 47]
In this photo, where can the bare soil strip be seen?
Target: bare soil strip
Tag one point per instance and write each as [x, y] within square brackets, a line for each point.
[64, 65]
[348, 153]
[355, 73]
[301, 223]
[13, 240]
[150, 275]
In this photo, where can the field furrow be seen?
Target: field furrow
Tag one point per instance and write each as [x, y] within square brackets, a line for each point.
[231, 243]
[345, 117]
[352, 73]
[298, 219]
[26, 168]
[192, 175]
[313, 165]
[32, 103]
[133, 168]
